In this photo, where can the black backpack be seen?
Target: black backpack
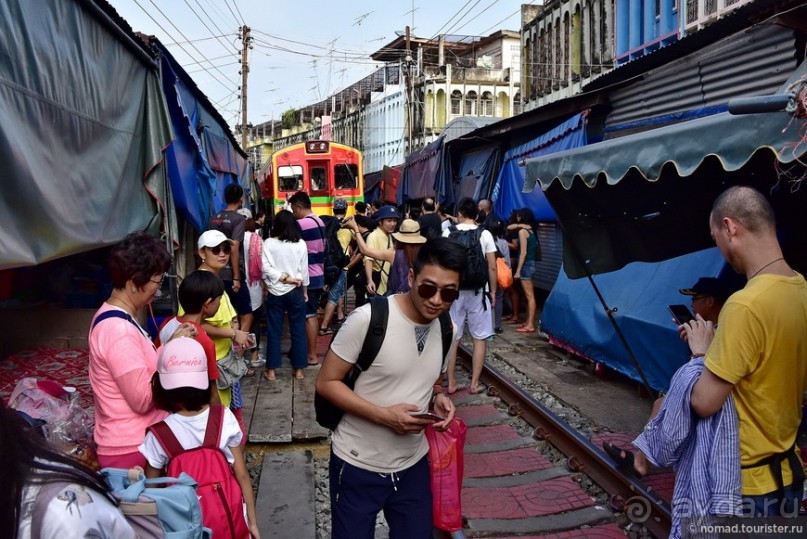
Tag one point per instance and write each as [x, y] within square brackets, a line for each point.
[328, 414]
[334, 257]
[475, 274]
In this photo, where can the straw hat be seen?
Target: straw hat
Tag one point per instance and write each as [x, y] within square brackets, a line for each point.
[409, 232]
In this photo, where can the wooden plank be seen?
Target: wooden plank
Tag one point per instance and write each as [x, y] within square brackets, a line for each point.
[286, 495]
[305, 426]
[272, 419]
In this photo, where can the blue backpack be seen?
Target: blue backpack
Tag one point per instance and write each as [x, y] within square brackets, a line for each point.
[171, 512]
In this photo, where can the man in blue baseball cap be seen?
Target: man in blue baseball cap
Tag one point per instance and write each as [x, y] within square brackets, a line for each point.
[377, 271]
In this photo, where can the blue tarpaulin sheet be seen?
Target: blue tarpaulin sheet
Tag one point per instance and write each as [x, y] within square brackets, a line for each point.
[420, 172]
[478, 171]
[508, 194]
[640, 292]
[201, 161]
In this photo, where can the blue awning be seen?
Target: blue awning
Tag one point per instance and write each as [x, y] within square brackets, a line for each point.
[509, 193]
[647, 197]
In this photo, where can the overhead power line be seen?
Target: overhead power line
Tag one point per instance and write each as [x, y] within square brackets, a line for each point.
[183, 35]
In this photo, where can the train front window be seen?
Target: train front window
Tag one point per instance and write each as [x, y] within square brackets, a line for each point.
[290, 177]
[346, 176]
[319, 178]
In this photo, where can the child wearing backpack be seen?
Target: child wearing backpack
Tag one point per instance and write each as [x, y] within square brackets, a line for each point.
[201, 440]
[199, 297]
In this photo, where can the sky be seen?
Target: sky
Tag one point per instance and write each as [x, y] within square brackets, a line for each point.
[303, 50]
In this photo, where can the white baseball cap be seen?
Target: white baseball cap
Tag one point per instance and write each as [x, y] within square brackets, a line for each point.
[183, 363]
[213, 238]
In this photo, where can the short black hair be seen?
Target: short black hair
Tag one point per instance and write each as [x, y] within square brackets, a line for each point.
[365, 222]
[444, 252]
[468, 208]
[198, 287]
[428, 204]
[745, 205]
[139, 257]
[300, 199]
[191, 399]
[233, 193]
[496, 227]
[285, 227]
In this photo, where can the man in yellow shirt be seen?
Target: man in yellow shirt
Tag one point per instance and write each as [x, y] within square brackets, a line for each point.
[377, 271]
[758, 354]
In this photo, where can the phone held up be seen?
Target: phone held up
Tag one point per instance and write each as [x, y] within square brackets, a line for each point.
[681, 313]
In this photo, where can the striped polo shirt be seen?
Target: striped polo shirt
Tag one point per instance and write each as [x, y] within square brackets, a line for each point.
[312, 231]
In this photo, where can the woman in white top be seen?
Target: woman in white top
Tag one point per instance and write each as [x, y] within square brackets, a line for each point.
[285, 274]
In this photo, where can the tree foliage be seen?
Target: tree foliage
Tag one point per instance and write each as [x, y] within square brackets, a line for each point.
[290, 118]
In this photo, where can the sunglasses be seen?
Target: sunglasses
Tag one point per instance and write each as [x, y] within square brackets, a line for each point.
[224, 247]
[427, 291]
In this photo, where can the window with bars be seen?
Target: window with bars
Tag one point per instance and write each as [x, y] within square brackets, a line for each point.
[486, 103]
[456, 101]
[470, 104]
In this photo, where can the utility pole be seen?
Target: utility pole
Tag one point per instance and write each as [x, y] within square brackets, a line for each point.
[246, 41]
[409, 101]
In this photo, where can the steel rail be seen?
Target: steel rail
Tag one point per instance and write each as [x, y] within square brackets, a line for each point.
[626, 493]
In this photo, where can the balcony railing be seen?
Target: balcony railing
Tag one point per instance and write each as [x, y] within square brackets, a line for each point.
[700, 13]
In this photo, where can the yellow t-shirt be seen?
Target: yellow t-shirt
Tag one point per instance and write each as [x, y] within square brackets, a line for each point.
[761, 348]
[222, 319]
[345, 236]
[378, 239]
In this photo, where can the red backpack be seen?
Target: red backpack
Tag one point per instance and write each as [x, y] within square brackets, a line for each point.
[219, 492]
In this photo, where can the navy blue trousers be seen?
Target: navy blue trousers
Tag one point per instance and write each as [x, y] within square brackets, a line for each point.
[358, 495]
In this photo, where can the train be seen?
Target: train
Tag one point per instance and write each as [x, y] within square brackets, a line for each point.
[323, 169]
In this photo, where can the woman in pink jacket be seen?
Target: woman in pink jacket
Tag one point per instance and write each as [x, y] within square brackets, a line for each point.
[122, 356]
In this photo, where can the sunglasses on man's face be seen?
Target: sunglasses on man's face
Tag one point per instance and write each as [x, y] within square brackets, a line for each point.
[427, 291]
[224, 247]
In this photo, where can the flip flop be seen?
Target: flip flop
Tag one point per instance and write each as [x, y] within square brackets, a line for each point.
[475, 390]
[299, 374]
[250, 372]
[326, 331]
[525, 330]
[271, 377]
[623, 459]
[313, 364]
[459, 387]
[514, 322]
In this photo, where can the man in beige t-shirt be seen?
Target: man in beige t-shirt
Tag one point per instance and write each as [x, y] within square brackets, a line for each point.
[379, 452]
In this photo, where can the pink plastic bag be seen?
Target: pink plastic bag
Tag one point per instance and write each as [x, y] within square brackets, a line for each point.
[446, 461]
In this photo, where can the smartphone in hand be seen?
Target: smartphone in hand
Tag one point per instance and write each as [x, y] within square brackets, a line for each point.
[426, 415]
[681, 313]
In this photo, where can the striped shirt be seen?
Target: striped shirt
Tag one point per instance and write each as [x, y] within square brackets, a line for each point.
[312, 232]
[703, 452]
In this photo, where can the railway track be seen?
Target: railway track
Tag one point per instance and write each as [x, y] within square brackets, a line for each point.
[580, 457]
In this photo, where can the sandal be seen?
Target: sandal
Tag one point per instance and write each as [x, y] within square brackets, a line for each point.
[250, 372]
[461, 386]
[269, 374]
[326, 331]
[623, 459]
[298, 374]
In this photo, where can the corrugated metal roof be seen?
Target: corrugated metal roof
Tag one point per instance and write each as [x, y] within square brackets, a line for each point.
[727, 25]
[754, 62]
[463, 125]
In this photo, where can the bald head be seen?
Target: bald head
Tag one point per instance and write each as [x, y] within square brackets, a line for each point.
[746, 206]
